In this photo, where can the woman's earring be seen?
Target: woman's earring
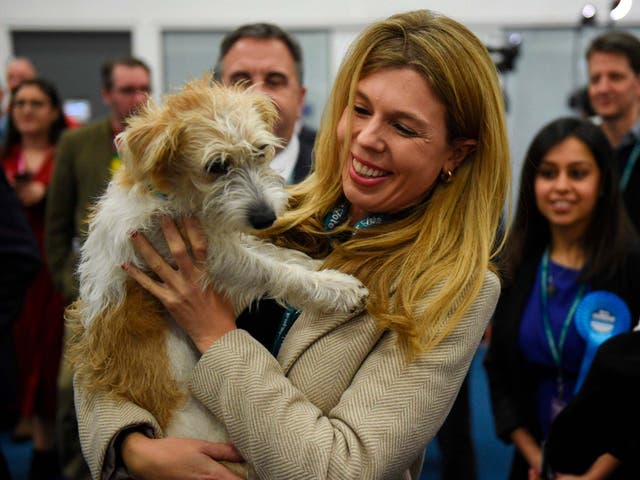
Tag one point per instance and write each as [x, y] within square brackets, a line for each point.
[445, 177]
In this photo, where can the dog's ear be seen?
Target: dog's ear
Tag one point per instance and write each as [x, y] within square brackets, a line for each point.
[149, 145]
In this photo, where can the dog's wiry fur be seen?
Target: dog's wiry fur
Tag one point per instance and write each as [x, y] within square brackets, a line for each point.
[204, 152]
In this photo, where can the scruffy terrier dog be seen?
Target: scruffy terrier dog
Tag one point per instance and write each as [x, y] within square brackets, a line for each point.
[205, 153]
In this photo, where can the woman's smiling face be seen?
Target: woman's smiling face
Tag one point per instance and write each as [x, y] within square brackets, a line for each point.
[567, 185]
[399, 142]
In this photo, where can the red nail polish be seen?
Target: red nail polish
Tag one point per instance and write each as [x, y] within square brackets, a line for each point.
[134, 234]
[123, 266]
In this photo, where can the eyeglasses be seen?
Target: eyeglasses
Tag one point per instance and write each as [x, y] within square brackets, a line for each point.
[131, 90]
[35, 104]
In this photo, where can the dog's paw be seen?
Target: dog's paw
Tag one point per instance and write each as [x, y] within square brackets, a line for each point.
[345, 293]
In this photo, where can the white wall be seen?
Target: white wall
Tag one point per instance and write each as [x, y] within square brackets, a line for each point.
[147, 18]
[343, 19]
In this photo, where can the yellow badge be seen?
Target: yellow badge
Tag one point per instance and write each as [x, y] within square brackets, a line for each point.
[115, 164]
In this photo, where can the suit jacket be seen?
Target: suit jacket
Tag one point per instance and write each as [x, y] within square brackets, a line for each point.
[81, 173]
[631, 195]
[340, 401]
[512, 389]
[304, 163]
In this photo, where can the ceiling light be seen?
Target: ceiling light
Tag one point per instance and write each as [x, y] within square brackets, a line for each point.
[619, 8]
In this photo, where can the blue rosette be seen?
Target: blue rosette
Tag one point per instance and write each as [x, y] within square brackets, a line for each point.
[599, 316]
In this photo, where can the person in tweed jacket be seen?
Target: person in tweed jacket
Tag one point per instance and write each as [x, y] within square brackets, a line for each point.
[412, 160]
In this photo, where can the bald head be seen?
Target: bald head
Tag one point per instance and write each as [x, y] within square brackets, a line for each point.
[18, 70]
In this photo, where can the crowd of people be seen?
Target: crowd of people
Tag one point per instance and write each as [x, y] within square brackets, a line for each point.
[412, 157]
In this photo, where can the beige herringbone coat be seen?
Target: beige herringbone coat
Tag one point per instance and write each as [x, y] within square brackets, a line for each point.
[340, 402]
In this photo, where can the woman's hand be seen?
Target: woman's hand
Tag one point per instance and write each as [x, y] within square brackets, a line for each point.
[602, 468]
[205, 315]
[530, 450]
[177, 458]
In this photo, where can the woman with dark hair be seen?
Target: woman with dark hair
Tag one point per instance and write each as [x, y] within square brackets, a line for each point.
[52, 114]
[571, 235]
[35, 124]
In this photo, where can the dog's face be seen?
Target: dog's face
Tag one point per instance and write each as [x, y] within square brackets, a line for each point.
[207, 149]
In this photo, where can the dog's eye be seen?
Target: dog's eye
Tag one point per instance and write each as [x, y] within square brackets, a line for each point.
[216, 167]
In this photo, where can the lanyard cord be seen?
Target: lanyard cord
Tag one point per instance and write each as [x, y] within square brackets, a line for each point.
[556, 349]
[334, 218]
[339, 215]
[628, 168]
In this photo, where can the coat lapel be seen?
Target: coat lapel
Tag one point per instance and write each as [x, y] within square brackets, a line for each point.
[307, 329]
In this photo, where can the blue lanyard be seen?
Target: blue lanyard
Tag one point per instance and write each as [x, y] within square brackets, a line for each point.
[335, 217]
[339, 215]
[628, 168]
[556, 348]
[289, 316]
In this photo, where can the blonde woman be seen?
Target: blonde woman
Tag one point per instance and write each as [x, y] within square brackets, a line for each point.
[412, 160]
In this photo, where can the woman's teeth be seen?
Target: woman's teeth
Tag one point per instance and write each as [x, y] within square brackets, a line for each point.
[366, 171]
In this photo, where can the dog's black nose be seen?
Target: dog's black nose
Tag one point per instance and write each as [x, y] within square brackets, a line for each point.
[262, 218]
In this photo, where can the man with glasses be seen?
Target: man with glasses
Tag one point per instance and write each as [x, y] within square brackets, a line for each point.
[86, 159]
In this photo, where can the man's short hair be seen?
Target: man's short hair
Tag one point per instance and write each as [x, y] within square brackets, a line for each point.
[263, 31]
[620, 42]
[26, 60]
[106, 72]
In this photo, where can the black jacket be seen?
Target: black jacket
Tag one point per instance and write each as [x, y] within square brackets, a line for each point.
[20, 261]
[604, 417]
[304, 163]
[511, 383]
[631, 195]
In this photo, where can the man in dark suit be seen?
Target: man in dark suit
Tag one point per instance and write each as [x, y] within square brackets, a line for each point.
[266, 56]
[613, 59]
[86, 159]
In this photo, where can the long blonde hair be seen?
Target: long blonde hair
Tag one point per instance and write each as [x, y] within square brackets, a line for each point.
[444, 244]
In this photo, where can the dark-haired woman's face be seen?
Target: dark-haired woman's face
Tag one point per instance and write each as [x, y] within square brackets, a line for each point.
[32, 111]
[567, 185]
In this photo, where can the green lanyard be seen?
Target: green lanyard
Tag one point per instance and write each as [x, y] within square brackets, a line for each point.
[556, 349]
[628, 168]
